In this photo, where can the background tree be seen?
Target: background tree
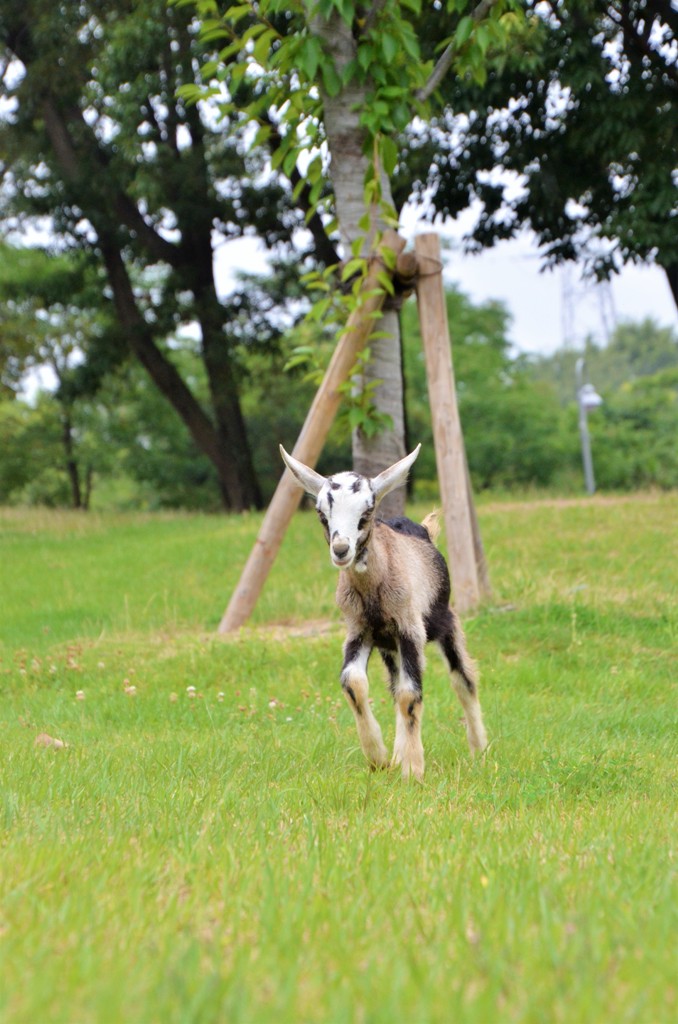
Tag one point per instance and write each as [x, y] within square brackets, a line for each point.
[329, 86]
[634, 431]
[127, 161]
[583, 116]
[515, 430]
[50, 313]
[94, 139]
[29, 452]
[634, 440]
[95, 142]
[635, 350]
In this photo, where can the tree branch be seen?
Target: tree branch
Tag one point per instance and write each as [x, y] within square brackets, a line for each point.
[66, 153]
[447, 56]
[20, 41]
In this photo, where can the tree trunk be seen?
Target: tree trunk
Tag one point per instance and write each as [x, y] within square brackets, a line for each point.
[672, 276]
[169, 381]
[87, 493]
[231, 430]
[85, 168]
[70, 461]
[196, 267]
[225, 445]
[348, 166]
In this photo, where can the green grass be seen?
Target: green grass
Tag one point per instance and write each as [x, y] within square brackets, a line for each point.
[230, 858]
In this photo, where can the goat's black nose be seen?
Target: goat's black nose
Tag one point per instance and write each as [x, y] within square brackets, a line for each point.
[340, 549]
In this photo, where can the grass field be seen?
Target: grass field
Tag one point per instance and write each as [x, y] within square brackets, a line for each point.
[224, 854]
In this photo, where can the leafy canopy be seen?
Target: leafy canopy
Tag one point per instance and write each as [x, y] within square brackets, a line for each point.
[275, 69]
[582, 113]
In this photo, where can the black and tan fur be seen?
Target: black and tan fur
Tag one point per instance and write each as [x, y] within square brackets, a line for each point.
[394, 592]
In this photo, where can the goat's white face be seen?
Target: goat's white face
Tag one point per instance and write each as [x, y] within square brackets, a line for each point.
[345, 507]
[346, 504]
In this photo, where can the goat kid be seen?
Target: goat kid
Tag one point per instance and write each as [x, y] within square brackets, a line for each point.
[394, 592]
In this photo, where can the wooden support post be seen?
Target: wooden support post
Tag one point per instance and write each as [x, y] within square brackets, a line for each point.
[447, 435]
[309, 444]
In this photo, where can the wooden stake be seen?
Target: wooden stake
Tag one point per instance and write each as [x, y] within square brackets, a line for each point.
[449, 442]
[309, 444]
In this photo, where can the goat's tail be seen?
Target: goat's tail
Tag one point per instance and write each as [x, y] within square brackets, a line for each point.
[432, 524]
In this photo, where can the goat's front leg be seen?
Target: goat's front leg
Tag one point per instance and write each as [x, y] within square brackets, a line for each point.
[355, 685]
[408, 750]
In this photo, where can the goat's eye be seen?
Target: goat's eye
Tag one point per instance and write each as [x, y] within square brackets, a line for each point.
[322, 517]
[364, 520]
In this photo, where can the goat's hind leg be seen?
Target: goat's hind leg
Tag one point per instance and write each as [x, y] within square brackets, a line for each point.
[464, 680]
[355, 685]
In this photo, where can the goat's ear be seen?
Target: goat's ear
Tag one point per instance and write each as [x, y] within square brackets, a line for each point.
[306, 477]
[394, 476]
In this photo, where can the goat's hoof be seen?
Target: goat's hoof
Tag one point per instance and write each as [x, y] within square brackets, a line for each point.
[413, 772]
[478, 745]
[409, 769]
[377, 759]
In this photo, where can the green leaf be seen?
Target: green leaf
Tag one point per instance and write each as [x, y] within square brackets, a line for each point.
[372, 191]
[346, 9]
[228, 51]
[263, 46]
[366, 55]
[483, 38]
[300, 356]
[386, 282]
[480, 75]
[350, 72]
[357, 243]
[464, 30]
[389, 154]
[394, 92]
[390, 47]
[314, 197]
[237, 12]
[389, 257]
[193, 93]
[209, 69]
[355, 417]
[309, 56]
[355, 266]
[314, 171]
[331, 80]
[254, 31]
[262, 136]
[290, 160]
[410, 43]
[365, 222]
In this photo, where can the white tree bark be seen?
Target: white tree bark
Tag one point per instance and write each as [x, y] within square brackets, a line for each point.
[348, 167]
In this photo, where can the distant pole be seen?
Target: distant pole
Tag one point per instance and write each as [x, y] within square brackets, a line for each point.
[587, 399]
[310, 442]
[449, 442]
